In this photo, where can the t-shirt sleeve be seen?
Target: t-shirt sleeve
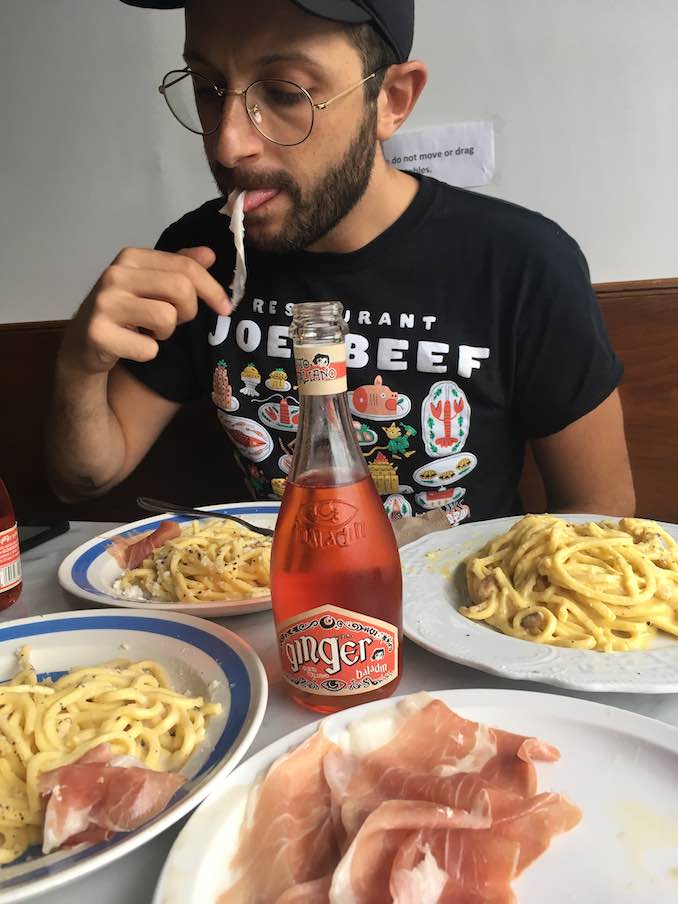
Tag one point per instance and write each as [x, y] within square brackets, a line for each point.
[173, 373]
[565, 363]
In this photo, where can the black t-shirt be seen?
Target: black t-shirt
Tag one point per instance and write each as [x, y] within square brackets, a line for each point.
[472, 328]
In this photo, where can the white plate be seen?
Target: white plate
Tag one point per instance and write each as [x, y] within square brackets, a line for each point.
[435, 586]
[618, 767]
[90, 571]
[199, 657]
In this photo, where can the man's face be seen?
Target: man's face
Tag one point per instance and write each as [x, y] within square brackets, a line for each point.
[317, 182]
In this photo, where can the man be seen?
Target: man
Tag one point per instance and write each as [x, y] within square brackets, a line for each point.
[473, 325]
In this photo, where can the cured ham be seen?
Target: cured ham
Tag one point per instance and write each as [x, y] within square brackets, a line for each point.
[534, 822]
[130, 552]
[414, 805]
[313, 892]
[288, 839]
[100, 794]
[364, 872]
[455, 868]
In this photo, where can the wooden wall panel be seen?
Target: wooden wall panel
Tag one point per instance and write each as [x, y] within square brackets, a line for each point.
[642, 318]
[192, 461]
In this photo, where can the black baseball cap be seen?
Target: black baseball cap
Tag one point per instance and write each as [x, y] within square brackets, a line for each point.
[393, 19]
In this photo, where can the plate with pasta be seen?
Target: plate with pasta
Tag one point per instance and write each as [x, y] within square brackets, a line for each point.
[585, 602]
[113, 725]
[208, 567]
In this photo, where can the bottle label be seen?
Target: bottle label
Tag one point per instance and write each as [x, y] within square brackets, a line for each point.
[331, 651]
[321, 369]
[10, 564]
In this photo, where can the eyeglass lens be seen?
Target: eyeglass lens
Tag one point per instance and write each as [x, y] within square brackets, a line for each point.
[282, 111]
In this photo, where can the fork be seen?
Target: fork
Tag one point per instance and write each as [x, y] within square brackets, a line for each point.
[158, 506]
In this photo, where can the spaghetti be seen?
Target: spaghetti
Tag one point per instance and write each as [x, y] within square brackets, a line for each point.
[596, 586]
[210, 560]
[130, 706]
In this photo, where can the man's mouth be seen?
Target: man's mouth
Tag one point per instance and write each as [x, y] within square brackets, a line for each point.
[258, 197]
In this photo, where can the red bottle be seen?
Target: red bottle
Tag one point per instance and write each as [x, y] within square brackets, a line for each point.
[336, 581]
[10, 563]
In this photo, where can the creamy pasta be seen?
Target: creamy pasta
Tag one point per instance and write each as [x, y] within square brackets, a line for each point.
[211, 560]
[596, 586]
[47, 724]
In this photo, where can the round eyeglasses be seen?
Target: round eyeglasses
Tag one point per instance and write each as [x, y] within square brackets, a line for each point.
[282, 111]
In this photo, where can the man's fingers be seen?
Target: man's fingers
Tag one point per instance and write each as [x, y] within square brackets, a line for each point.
[131, 312]
[203, 255]
[125, 290]
[142, 298]
[159, 318]
[205, 286]
[120, 342]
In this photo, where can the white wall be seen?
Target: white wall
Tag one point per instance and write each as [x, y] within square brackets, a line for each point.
[584, 96]
[583, 93]
[90, 159]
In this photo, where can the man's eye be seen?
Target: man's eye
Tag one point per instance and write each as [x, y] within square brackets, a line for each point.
[284, 97]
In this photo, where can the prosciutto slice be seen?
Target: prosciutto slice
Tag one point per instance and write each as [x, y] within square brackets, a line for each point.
[130, 552]
[364, 871]
[93, 797]
[433, 755]
[313, 892]
[288, 839]
[458, 867]
[480, 866]
[415, 805]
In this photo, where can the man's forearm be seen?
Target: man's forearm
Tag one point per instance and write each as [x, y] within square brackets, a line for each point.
[85, 443]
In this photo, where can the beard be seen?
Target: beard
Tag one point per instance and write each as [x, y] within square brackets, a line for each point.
[317, 211]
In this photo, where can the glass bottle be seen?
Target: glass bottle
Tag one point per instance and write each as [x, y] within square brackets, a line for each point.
[10, 563]
[336, 580]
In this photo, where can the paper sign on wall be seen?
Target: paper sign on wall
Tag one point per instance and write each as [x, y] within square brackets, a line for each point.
[461, 153]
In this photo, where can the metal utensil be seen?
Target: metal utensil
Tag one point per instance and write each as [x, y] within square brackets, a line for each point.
[157, 505]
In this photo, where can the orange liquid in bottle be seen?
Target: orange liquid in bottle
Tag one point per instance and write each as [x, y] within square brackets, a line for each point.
[336, 583]
[334, 545]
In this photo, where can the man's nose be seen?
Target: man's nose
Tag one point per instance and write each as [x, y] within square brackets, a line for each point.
[236, 138]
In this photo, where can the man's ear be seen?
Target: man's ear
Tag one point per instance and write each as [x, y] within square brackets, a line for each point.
[400, 92]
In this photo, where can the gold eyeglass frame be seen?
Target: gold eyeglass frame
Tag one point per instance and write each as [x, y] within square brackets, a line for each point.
[252, 112]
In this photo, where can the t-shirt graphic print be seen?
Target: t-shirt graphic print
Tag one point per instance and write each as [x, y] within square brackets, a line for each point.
[262, 418]
[472, 327]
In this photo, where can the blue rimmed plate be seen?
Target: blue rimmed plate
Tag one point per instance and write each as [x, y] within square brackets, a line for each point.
[90, 571]
[199, 657]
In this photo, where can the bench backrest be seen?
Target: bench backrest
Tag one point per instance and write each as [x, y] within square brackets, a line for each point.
[192, 461]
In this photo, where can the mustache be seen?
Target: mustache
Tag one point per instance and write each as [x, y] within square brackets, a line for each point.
[228, 179]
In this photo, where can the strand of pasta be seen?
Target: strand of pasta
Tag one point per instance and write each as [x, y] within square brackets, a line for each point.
[210, 560]
[49, 724]
[596, 586]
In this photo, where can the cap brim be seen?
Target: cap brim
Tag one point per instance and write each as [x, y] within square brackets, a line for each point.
[335, 10]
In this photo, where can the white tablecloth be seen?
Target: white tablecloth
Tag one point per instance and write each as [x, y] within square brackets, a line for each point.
[133, 878]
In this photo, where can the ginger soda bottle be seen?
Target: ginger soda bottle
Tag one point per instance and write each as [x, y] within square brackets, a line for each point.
[336, 581]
